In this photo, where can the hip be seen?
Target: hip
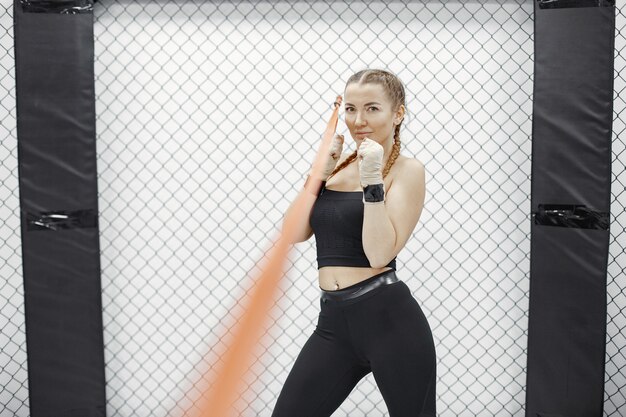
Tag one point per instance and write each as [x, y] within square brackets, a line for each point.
[382, 308]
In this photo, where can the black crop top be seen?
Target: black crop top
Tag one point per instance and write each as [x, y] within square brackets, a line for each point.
[337, 222]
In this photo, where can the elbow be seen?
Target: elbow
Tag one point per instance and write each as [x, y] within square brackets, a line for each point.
[292, 240]
[379, 253]
[379, 260]
[378, 263]
[301, 238]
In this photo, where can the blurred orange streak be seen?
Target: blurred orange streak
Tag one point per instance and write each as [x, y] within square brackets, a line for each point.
[220, 398]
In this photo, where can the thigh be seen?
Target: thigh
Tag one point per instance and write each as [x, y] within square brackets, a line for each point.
[322, 376]
[403, 357]
[408, 386]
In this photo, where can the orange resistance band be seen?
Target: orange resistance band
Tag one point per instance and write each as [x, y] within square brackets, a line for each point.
[219, 398]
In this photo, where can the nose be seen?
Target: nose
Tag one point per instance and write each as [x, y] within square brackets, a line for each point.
[359, 121]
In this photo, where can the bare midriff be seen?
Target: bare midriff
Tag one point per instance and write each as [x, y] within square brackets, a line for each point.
[333, 278]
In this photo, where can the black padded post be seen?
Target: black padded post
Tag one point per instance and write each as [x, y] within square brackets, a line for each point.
[54, 54]
[570, 200]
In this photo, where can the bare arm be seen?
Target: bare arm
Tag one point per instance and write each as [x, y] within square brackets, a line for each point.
[303, 229]
[387, 227]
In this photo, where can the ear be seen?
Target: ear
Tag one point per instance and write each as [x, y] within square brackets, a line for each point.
[399, 114]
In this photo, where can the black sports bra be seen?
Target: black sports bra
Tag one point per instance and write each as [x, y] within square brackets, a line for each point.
[337, 222]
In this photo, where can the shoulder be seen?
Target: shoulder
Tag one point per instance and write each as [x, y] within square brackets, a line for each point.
[411, 165]
[410, 172]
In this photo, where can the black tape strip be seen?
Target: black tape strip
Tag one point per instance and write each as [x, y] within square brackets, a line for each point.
[57, 6]
[564, 4]
[56, 220]
[571, 215]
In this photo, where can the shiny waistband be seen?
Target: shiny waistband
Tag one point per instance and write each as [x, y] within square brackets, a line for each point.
[360, 288]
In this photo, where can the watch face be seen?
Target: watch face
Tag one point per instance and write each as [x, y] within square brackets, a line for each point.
[373, 193]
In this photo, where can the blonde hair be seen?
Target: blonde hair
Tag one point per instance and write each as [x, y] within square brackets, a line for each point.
[395, 93]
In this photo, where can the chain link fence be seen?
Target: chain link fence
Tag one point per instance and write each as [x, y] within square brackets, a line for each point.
[208, 117]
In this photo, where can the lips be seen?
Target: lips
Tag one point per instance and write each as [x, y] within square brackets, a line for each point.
[362, 133]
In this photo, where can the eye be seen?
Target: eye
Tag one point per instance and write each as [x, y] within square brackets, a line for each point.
[370, 107]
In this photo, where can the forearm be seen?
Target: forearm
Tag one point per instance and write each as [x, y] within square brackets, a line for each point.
[379, 236]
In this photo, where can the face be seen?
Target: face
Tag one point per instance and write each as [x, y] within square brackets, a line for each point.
[368, 110]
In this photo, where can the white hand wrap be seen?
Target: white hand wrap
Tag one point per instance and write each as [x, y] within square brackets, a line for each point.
[370, 155]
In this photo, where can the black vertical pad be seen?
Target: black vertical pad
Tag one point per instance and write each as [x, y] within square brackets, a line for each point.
[570, 200]
[54, 53]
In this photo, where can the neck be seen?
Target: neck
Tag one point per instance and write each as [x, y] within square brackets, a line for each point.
[388, 147]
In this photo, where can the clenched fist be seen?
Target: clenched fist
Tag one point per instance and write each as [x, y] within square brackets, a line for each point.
[334, 154]
[370, 159]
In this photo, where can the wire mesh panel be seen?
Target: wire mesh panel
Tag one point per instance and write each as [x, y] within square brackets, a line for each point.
[208, 118]
[13, 366]
[615, 365]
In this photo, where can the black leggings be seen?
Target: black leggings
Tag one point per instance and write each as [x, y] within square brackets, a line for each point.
[383, 331]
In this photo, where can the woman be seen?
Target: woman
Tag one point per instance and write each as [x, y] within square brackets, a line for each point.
[362, 214]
